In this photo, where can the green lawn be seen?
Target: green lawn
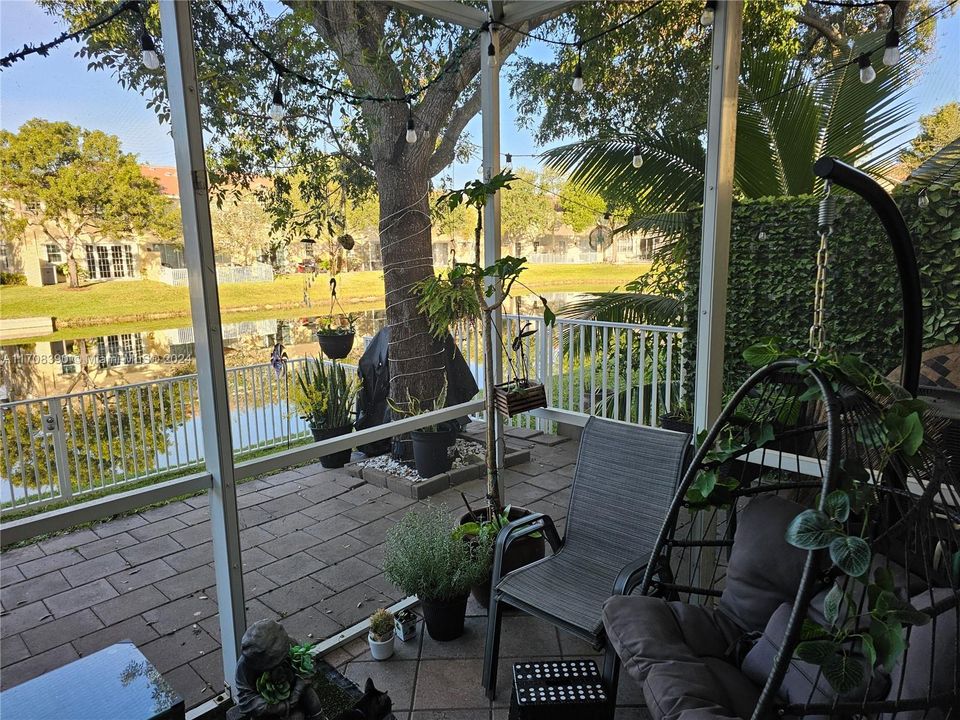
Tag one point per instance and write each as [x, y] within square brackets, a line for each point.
[144, 300]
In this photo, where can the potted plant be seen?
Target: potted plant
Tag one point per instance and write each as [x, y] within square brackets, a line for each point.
[423, 558]
[405, 625]
[470, 291]
[381, 634]
[324, 397]
[432, 444]
[337, 333]
[522, 551]
[680, 418]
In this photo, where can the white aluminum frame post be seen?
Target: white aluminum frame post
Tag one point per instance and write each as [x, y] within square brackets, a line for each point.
[187, 127]
[717, 211]
[490, 119]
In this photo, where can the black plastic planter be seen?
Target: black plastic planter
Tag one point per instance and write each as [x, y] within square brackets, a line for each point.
[431, 451]
[337, 459]
[522, 551]
[336, 346]
[444, 618]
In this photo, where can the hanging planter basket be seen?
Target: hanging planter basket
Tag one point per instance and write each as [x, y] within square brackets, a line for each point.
[336, 346]
[517, 396]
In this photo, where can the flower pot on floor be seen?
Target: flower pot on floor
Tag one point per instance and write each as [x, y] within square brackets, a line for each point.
[336, 346]
[380, 649]
[521, 552]
[444, 618]
[679, 423]
[431, 451]
[337, 459]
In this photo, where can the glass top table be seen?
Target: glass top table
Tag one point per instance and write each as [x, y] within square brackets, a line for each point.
[116, 683]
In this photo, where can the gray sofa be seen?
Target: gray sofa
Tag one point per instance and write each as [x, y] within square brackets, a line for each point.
[696, 662]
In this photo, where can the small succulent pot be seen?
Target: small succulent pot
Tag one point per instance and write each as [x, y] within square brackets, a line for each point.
[380, 649]
[405, 625]
[336, 346]
[337, 459]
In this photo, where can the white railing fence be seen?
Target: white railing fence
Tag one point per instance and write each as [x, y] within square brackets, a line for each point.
[624, 371]
[72, 446]
[258, 272]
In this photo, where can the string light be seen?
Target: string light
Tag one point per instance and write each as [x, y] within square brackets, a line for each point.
[709, 13]
[411, 126]
[891, 48]
[923, 200]
[578, 70]
[491, 56]
[867, 73]
[508, 164]
[762, 235]
[148, 51]
[637, 160]
[277, 110]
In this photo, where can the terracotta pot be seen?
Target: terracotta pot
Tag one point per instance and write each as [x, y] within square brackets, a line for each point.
[337, 459]
[336, 346]
[521, 552]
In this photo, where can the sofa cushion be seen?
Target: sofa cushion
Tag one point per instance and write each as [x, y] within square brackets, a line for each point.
[680, 653]
[803, 682]
[764, 570]
[931, 654]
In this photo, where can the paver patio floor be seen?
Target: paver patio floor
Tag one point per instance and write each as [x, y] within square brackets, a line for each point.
[312, 547]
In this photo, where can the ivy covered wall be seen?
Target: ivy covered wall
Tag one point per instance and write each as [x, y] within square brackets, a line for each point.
[771, 280]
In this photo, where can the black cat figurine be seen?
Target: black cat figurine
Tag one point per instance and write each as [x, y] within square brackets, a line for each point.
[374, 705]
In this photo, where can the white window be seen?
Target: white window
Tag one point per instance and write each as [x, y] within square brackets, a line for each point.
[54, 254]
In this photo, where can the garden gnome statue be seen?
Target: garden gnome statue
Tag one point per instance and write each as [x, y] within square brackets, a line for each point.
[267, 684]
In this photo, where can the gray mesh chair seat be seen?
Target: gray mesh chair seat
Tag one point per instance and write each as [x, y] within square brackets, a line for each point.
[625, 480]
[544, 588]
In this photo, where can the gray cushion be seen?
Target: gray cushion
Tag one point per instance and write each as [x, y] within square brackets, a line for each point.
[803, 682]
[931, 654]
[764, 570]
[679, 653]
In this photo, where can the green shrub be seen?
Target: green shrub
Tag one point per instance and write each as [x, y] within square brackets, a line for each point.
[423, 557]
[770, 290]
[12, 278]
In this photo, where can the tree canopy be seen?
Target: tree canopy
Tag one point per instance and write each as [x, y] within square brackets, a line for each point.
[937, 130]
[79, 182]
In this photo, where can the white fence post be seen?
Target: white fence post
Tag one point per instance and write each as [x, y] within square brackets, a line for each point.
[54, 427]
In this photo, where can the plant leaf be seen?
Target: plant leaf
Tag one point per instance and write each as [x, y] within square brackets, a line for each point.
[844, 672]
[851, 554]
[763, 352]
[837, 505]
[811, 530]
[816, 652]
[833, 605]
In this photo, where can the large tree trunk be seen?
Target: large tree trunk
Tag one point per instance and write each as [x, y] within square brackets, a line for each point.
[416, 357]
[72, 270]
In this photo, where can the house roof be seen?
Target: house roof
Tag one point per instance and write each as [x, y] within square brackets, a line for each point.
[165, 176]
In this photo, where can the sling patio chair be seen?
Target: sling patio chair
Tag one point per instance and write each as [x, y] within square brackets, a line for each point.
[625, 480]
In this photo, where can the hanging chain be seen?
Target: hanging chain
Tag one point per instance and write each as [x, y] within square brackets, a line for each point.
[826, 216]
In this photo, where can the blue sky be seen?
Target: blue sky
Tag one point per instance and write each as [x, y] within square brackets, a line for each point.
[59, 87]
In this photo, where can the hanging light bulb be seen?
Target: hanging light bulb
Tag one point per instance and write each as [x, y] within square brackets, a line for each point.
[923, 200]
[508, 162]
[411, 127]
[277, 111]
[867, 73]
[891, 48]
[148, 52]
[578, 77]
[762, 235]
[709, 13]
[637, 160]
[491, 55]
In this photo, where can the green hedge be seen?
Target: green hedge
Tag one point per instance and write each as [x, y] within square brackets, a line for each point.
[771, 281]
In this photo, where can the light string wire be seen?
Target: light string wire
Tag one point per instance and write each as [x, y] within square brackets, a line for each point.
[44, 48]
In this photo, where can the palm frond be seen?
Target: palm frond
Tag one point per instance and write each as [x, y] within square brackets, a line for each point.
[667, 225]
[626, 307]
[941, 169]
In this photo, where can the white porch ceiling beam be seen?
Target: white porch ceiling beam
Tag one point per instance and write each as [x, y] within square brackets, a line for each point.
[447, 10]
[515, 13]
